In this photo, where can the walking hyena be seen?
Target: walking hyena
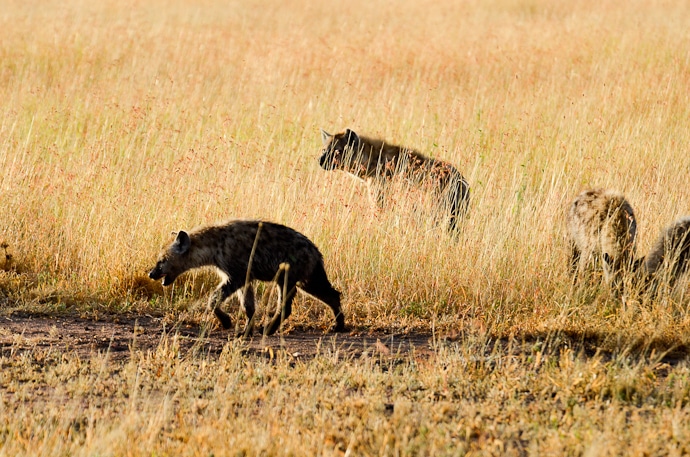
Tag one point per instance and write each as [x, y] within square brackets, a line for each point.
[377, 162]
[669, 257]
[602, 229]
[228, 248]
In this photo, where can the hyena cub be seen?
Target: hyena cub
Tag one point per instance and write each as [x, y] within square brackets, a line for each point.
[602, 228]
[228, 247]
[669, 257]
[377, 162]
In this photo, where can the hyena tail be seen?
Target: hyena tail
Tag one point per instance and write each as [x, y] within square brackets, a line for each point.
[320, 287]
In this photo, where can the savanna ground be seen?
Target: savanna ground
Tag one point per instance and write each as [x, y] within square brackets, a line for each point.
[123, 121]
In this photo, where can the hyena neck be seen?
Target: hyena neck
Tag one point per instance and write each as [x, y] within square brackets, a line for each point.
[360, 164]
[398, 160]
[201, 252]
[378, 158]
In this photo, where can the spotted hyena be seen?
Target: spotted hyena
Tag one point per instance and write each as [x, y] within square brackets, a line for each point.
[669, 257]
[228, 248]
[602, 228]
[377, 162]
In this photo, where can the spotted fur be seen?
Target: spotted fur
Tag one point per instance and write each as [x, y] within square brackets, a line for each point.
[669, 257]
[602, 228]
[228, 247]
[378, 162]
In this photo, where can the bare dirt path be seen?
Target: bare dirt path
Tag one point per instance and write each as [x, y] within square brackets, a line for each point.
[121, 335]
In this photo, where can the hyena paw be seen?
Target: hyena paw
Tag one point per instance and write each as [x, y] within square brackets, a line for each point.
[224, 319]
[247, 333]
[339, 328]
[269, 329]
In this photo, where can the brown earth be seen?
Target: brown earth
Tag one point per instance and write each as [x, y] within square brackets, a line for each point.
[120, 335]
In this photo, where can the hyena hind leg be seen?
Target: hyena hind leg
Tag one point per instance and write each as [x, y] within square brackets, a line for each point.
[283, 311]
[247, 303]
[458, 209]
[457, 201]
[320, 287]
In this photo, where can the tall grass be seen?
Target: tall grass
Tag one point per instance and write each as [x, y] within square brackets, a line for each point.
[121, 122]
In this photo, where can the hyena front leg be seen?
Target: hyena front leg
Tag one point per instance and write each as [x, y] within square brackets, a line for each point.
[574, 262]
[377, 193]
[218, 297]
[246, 297]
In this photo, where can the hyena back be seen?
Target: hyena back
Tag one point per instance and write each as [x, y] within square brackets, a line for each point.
[602, 228]
[228, 248]
[377, 162]
[669, 257]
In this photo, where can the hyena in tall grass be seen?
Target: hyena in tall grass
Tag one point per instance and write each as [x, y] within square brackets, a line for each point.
[378, 162]
[228, 248]
[669, 257]
[602, 228]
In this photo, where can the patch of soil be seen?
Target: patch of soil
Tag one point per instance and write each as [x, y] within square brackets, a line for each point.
[120, 335]
[123, 335]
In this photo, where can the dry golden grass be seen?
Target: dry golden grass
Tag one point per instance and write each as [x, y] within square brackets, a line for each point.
[469, 398]
[123, 121]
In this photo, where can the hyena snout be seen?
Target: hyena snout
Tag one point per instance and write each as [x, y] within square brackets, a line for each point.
[172, 262]
[327, 161]
[322, 161]
[155, 274]
[159, 271]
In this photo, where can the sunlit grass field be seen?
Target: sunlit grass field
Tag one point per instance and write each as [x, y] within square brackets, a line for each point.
[123, 121]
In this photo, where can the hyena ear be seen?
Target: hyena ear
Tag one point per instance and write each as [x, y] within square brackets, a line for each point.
[182, 243]
[325, 137]
[352, 137]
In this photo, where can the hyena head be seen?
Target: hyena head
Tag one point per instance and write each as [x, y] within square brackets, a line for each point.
[173, 260]
[339, 151]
